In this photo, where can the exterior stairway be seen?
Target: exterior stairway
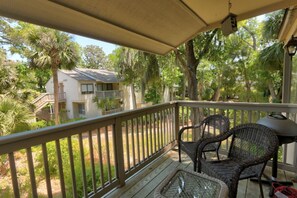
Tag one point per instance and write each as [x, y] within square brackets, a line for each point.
[45, 98]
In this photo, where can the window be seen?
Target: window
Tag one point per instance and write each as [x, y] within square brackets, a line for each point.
[99, 87]
[81, 108]
[87, 88]
[107, 86]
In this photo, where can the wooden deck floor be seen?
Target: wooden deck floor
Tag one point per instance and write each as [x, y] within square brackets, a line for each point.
[144, 183]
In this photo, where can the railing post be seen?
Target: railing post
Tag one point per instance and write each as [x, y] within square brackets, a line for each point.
[176, 111]
[119, 152]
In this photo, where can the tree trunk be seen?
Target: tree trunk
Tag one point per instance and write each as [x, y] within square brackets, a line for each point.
[56, 93]
[132, 98]
[217, 94]
[166, 94]
[272, 92]
[143, 86]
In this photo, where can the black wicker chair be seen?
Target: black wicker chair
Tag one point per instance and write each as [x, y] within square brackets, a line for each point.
[252, 145]
[211, 126]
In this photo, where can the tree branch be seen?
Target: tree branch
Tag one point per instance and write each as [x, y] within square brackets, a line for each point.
[254, 45]
[206, 46]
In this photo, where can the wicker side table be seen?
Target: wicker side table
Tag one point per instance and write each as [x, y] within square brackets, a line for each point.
[184, 183]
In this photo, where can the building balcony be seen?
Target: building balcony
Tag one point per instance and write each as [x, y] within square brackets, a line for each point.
[109, 94]
[98, 157]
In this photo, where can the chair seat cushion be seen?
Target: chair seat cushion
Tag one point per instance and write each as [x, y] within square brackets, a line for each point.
[226, 169]
[223, 170]
[210, 147]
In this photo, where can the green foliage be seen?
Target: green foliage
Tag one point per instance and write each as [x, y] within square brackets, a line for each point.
[39, 124]
[106, 104]
[152, 95]
[95, 58]
[14, 116]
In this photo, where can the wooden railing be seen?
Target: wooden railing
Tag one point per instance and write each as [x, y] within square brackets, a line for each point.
[85, 158]
[91, 157]
[109, 94]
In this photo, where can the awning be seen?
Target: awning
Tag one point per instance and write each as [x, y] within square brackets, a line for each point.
[156, 26]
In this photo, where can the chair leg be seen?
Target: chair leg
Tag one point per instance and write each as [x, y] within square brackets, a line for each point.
[179, 153]
[261, 188]
[218, 156]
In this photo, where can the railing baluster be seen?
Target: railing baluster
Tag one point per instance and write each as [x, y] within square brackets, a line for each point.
[92, 161]
[227, 141]
[158, 131]
[166, 125]
[70, 151]
[132, 139]
[127, 144]
[137, 136]
[249, 116]
[155, 134]
[60, 165]
[183, 116]
[150, 134]
[142, 136]
[234, 118]
[14, 176]
[83, 166]
[100, 156]
[46, 170]
[147, 136]
[176, 120]
[31, 172]
[108, 153]
[242, 117]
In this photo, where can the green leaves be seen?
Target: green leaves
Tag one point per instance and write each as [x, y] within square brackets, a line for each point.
[14, 116]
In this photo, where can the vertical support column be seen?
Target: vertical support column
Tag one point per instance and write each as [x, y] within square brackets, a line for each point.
[287, 73]
[286, 91]
[118, 140]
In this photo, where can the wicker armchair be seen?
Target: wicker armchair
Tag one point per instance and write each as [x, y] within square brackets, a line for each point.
[211, 126]
[252, 145]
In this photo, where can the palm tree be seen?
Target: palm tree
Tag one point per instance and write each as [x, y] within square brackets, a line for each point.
[271, 57]
[53, 49]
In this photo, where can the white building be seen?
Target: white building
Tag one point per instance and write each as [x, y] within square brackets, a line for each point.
[77, 90]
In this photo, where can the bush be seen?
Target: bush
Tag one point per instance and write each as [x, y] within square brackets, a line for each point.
[39, 124]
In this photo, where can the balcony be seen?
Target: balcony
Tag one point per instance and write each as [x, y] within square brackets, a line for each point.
[109, 94]
[96, 157]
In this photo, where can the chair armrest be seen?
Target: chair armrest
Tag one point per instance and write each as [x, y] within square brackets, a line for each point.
[180, 132]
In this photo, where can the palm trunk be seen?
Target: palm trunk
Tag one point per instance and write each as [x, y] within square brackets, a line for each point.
[56, 93]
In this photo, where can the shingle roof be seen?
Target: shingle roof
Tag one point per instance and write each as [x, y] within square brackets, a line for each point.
[98, 75]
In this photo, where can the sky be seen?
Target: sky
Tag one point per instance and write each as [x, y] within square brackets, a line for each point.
[83, 41]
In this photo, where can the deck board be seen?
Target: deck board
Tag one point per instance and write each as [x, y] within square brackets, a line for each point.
[144, 183]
